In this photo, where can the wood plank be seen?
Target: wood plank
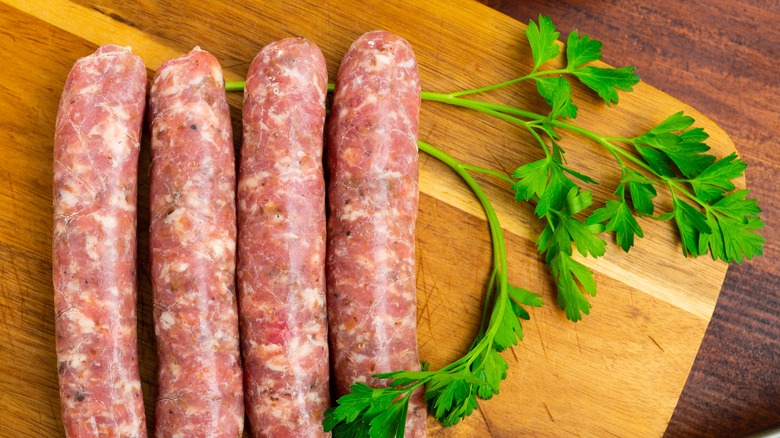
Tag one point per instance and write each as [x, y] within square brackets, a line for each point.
[618, 371]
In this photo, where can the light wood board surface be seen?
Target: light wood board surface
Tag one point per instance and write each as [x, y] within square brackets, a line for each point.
[619, 371]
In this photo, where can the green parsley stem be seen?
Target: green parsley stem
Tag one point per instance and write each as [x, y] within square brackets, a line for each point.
[478, 106]
[497, 174]
[499, 249]
[485, 310]
[235, 86]
[674, 184]
[535, 74]
[489, 87]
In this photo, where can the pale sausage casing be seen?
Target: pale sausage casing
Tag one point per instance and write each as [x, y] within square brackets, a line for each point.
[373, 195]
[96, 146]
[281, 241]
[192, 249]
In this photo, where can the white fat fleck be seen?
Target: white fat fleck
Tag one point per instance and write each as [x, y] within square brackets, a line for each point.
[114, 136]
[120, 112]
[119, 200]
[207, 136]
[109, 222]
[175, 216]
[165, 273]
[409, 296]
[207, 163]
[68, 199]
[313, 298]
[351, 214]
[166, 320]
[91, 247]
[249, 182]
[218, 248]
[230, 244]
[193, 200]
[75, 360]
[393, 175]
[274, 357]
[86, 325]
[297, 75]
[358, 358]
[113, 291]
[275, 366]
[291, 236]
[409, 63]
[182, 267]
[305, 349]
[381, 62]
[90, 90]
[73, 287]
[216, 72]
[370, 99]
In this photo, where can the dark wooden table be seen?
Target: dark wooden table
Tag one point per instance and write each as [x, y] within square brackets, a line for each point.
[720, 57]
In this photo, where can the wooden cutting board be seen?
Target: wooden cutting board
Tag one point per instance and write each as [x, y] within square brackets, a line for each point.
[617, 372]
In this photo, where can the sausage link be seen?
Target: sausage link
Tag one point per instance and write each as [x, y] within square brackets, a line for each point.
[281, 241]
[373, 195]
[192, 244]
[96, 146]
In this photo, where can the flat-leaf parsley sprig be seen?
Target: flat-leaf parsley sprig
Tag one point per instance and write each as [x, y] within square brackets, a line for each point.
[710, 216]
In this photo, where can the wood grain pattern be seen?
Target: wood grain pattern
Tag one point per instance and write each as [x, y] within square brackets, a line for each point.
[719, 56]
[620, 371]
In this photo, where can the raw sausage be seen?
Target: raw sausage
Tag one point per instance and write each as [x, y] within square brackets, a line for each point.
[192, 245]
[96, 145]
[281, 241]
[373, 195]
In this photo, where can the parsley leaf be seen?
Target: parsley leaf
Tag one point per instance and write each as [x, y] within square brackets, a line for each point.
[531, 179]
[606, 81]
[556, 240]
[520, 296]
[554, 195]
[491, 368]
[621, 221]
[542, 38]
[734, 223]
[567, 272]
[556, 92]
[509, 331]
[714, 181]
[452, 396]
[543, 180]
[658, 161]
[391, 421]
[672, 142]
[371, 405]
[580, 51]
[641, 190]
[690, 223]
